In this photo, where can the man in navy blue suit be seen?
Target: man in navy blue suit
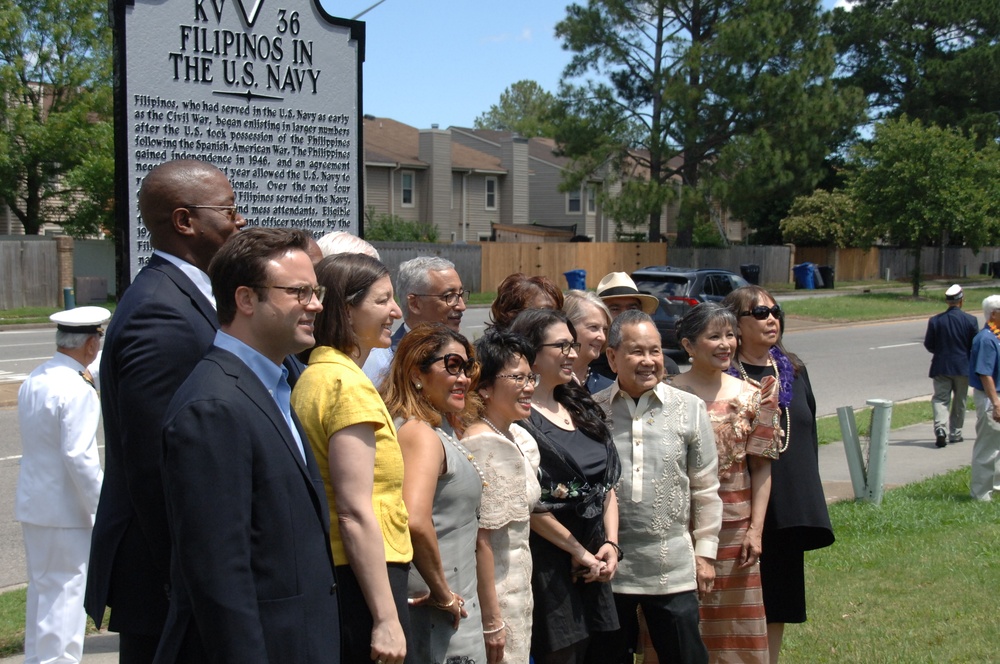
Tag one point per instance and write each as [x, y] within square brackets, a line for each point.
[949, 337]
[164, 324]
[252, 573]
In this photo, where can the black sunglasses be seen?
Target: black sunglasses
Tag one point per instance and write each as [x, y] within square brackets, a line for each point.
[453, 364]
[760, 312]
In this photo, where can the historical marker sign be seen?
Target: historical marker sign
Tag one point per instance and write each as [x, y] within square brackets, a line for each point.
[267, 90]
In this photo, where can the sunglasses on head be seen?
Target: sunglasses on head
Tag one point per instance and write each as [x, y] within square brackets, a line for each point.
[760, 312]
[454, 364]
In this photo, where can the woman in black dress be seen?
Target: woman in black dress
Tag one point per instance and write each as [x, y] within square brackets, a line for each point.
[797, 519]
[574, 539]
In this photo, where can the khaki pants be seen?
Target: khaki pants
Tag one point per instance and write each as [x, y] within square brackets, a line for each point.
[986, 450]
[948, 403]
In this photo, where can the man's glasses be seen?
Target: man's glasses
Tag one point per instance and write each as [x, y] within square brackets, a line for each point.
[451, 299]
[231, 211]
[302, 293]
[454, 364]
[564, 346]
[522, 380]
[760, 312]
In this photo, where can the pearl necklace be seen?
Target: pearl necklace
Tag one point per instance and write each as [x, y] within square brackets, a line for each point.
[505, 434]
[468, 455]
[788, 415]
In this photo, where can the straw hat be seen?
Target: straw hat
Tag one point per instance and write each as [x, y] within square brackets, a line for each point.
[619, 284]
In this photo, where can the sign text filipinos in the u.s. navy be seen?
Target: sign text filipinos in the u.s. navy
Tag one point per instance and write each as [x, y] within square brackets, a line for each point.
[267, 90]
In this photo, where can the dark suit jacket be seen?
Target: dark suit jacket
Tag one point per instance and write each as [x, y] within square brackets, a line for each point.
[949, 337]
[160, 331]
[397, 336]
[252, 573]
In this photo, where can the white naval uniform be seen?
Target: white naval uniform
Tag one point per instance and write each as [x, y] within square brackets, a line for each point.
[57, 492]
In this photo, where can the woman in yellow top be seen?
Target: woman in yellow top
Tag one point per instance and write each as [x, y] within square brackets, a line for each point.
[354, 441]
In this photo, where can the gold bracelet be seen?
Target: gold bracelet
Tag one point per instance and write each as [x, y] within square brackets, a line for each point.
[442, 605]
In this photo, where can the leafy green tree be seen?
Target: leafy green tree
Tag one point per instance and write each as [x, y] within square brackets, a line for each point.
[674, 83]
[823, 218]
[930, 60]
[917, 185]
[55, 132]
[524, 108]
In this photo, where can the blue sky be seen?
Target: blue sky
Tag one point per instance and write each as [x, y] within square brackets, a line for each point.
[447, 61]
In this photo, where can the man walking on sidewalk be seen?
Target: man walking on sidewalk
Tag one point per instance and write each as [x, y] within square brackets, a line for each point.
[984, 374]
[949, 337]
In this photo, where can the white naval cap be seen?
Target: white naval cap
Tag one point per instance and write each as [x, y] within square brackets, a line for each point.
[83, 320]
[953, 293]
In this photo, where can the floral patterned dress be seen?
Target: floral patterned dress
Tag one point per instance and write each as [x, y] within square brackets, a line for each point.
[733, 624]
[510, 469]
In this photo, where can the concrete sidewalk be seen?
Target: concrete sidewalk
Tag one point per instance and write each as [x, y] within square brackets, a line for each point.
[912, 457]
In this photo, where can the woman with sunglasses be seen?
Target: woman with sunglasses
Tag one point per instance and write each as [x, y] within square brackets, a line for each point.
[354, 440]
[427, 392]
[508, 457]
[574, 539]
[797, 519]
[745, 421]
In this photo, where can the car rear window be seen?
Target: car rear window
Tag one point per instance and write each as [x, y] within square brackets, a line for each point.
[665, 287]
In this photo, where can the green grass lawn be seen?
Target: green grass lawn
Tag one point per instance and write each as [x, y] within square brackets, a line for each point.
[913, 580]
[878, 306]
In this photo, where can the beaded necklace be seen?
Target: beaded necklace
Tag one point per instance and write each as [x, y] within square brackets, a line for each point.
[468, 455]
[788, 415]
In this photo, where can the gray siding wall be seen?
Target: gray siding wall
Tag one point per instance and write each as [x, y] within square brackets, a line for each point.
[377, 188]
[435, 149]
[514, 194]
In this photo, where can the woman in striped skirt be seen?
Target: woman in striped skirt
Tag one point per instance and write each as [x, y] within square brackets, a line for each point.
[745, 419]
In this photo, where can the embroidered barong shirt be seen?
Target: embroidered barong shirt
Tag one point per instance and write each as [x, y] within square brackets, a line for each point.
[669, 508]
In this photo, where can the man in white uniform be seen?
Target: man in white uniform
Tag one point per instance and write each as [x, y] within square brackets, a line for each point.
[59, 485]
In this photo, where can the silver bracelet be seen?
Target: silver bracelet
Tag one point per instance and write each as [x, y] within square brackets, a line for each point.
[503, 626]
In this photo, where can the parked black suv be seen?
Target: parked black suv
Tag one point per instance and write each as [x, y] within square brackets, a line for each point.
[679, 289]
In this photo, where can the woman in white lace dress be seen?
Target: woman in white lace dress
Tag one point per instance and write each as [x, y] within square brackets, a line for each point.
[509, 459]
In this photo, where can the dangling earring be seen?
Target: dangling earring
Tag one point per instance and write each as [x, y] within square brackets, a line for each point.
[418, 385]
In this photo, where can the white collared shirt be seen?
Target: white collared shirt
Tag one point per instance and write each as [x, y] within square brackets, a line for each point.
[198, 277]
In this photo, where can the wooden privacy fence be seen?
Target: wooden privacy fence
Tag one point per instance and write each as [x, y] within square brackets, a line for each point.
[868, 264]
[847, 264]
[482, 266]
[552, 259]
[775, 261]
[29, 272]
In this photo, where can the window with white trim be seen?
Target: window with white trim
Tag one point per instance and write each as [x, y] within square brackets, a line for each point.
[406, 188]
[573, 202]
[591, 199]
[491, 193]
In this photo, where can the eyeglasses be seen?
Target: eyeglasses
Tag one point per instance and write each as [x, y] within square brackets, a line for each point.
[522, 380]
[451, 299]
[454, 364]
[760, 312]
[564, 346]
[231, 211]
[302, 293]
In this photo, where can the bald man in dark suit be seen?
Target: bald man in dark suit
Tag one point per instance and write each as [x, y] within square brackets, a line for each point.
[162, 327]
